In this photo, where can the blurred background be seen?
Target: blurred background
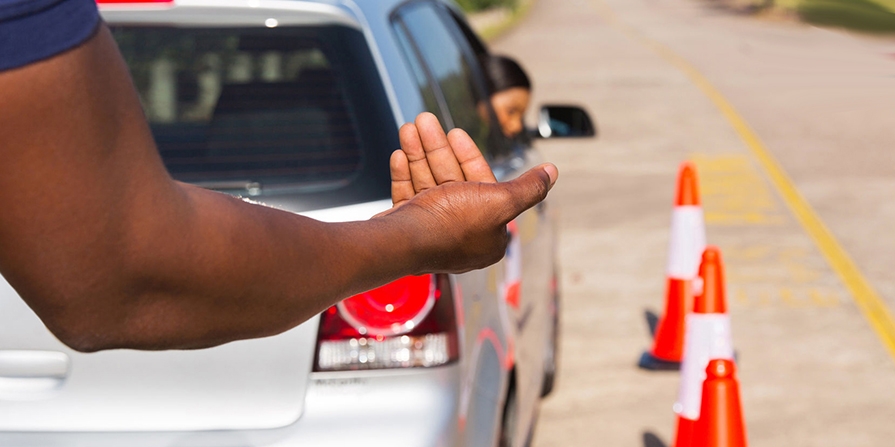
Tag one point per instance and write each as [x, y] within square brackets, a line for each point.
[785, 107]
[875, 16]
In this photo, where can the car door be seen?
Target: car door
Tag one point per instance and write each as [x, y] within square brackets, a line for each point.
[528, 267]
[448, 88]
[445, 62]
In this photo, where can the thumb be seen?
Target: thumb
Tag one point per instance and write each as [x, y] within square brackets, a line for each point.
[527, 190]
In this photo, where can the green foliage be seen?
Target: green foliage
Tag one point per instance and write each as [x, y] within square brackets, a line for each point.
[861, 15]
[479, 5]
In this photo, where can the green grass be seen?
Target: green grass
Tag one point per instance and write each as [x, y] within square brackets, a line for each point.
[873, 16]
[493, 32]
[479, 5]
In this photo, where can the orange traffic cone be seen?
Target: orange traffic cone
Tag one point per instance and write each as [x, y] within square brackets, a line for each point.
[708, 337]
[721, 414]
[685, 248]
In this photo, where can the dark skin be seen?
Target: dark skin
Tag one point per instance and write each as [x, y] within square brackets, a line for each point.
[110, 252]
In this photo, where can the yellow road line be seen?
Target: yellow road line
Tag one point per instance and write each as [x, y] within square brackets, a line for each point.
[865, 296]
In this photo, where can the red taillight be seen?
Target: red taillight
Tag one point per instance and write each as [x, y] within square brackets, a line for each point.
[408, 323]
[392, 309]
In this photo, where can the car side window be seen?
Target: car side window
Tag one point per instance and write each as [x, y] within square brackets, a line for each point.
[444, 59]
[432, 100]
[478, 47]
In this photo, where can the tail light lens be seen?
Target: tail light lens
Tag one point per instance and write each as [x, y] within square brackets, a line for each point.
[405, 324]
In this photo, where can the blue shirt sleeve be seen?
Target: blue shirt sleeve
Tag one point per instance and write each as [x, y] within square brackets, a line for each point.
[33, 30]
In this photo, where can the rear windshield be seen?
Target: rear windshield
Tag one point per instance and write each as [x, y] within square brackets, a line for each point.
[255, 111]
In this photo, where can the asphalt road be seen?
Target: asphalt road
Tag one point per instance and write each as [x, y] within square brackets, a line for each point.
[793, 131]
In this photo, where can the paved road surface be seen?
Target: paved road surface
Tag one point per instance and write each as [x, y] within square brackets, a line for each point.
[813, 370]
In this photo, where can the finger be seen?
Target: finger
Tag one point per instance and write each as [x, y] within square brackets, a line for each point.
[527, 190]
[402, 186]
[442, 161]
[473, 164]
[420, 174]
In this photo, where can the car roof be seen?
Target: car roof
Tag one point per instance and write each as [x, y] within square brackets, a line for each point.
[229, 13]
[248, 12]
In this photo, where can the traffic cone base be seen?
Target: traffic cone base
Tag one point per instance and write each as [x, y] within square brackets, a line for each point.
[651, 363]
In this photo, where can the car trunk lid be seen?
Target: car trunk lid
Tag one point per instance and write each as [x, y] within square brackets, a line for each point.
[44, 386]
[250, 384]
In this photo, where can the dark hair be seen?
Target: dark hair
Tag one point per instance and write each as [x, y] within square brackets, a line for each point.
[504, 73]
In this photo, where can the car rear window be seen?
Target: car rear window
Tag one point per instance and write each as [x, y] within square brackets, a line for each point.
[258, 111]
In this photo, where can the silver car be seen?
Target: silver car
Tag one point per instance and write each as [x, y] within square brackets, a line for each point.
[296, 104]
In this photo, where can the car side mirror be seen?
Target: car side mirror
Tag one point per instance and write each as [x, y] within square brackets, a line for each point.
[565, 122]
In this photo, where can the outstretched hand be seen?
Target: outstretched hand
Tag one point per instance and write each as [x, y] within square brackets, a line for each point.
[429, 158]
[444, 186]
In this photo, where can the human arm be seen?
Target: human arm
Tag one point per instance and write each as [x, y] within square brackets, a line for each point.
[110, 252]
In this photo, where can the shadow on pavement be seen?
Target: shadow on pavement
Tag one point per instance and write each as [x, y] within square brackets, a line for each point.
[651, 440]
[652, 320]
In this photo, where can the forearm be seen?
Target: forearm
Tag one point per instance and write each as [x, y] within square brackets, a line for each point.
[234, 270]
[200, 269]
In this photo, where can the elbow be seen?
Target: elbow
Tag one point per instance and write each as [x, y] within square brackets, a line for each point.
[79, 334]
[85, 324]
[93, 326]
[86, 319]
[84, 345]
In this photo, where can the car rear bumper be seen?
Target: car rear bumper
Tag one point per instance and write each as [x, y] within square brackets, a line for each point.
[416, 407]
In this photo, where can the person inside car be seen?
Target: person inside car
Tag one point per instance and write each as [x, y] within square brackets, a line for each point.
[510, 92]
[110, 252]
